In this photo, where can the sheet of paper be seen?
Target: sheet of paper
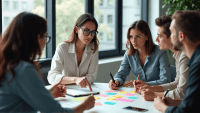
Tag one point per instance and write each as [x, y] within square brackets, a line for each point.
[77, 90]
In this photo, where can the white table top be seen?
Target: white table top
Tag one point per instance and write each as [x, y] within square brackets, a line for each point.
[117, 108]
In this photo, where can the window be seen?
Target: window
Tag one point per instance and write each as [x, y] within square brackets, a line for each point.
[9, 15]
[101, 2]
[129, 6]
[67, 12]
[113, 19]
[15, 5]
[110, 37]
[101, 19]
[110, 2]
[110, 19]
[24, 6]
[6, 21]
[105, 27]
[6, 5]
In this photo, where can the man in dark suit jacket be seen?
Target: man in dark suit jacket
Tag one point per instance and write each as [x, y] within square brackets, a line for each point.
[185, 36]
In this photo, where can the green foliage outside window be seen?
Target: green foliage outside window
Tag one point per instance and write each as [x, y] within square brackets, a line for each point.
[180, 5]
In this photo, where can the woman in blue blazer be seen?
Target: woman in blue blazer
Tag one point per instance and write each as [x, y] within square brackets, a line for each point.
[147, 62]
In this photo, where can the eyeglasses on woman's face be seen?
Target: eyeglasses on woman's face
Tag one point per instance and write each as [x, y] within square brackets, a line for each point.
[87, 31]
[48, 38]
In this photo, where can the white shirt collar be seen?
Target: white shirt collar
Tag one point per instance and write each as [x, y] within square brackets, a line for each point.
[71, 48]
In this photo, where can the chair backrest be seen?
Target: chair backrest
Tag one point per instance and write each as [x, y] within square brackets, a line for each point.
[173, 72]
[45, 66]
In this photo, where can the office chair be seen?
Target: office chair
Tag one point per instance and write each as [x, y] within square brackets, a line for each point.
[173, 72]
[45, 66]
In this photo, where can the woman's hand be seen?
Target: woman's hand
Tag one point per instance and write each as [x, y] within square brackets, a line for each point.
[113, 85]
[128, 84]
[83, 82]
[139, 83]
[58, 90]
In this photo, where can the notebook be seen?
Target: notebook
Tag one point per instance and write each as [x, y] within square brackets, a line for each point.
[77, 91]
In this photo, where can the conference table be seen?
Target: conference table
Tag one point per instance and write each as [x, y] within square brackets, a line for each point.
[105, 108]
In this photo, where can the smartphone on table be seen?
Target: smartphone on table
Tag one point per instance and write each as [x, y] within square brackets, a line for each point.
[135, 109]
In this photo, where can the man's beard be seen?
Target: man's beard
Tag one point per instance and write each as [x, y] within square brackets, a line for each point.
[178, 45]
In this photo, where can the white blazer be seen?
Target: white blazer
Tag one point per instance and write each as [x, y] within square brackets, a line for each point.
[64, 63]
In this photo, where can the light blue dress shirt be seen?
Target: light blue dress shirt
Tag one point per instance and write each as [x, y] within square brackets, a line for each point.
[26, 92]
[156, 69]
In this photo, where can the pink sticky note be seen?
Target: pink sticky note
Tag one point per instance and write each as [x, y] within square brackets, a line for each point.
[98, 104]
[125, 100]
[103, 95]
[110, 91]
[130, 94]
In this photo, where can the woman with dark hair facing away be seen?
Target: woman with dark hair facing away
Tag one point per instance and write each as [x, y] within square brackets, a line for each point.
[21, 86]
[178, 86]
[143, 58]
[76, 60]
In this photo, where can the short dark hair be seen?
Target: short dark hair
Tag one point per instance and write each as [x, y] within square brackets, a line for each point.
[79, 23]
[188, 21]
[144, 28]
[164, 22]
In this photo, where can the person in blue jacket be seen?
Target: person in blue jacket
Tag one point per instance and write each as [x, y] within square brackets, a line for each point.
[21, 86]
[147, 62]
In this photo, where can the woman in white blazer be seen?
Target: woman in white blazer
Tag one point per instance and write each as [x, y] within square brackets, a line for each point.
[76, 59]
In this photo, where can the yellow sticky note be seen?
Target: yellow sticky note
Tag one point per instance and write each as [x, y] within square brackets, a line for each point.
[111, 98]
[82, 98]
[132, 92]
[96, 97]
[118, 96]
[123, 92]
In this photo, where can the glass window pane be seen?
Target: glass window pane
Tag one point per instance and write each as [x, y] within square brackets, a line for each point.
[6, 5]
[24, 6]
[15, 5]
[134, 7]
[67, 12]
[104, 11]
[34, 6]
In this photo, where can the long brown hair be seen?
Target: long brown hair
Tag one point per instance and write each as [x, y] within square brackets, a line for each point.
[79, 23]
[144, 28]
[20, 42]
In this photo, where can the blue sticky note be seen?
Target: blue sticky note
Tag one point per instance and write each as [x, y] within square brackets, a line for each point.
[110, 103]
[110, 93]
[132, 97]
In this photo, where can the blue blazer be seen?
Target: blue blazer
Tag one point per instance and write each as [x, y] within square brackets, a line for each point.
[156, 69]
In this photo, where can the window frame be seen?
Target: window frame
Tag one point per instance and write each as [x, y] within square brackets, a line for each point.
[50, 15]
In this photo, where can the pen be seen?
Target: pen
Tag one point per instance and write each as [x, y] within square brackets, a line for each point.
[137, 79]
[166, 93]
[112, 77]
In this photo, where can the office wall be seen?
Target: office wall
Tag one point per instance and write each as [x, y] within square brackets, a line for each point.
[106, 65]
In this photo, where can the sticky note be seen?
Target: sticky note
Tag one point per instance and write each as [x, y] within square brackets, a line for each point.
[111, 98]
[123, 92]
[82, 98]
[125, 100]
[97, 104]
[96, 97]
[76, 99]
[118, 96]
[103, 95]
[130, 94]
[110, 103]
[110, 93]
[132, 97]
